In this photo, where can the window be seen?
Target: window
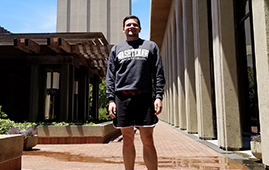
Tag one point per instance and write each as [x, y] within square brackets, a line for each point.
[246, 66]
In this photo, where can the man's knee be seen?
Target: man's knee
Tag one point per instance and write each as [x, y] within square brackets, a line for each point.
[127, 139]
[128, 136]
[148, 141]
[147, 136]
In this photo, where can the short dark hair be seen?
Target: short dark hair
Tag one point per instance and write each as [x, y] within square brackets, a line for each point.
[131, 17]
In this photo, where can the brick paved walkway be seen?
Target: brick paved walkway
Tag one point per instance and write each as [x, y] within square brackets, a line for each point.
[176, 150]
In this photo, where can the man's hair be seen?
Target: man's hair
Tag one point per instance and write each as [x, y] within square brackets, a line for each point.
[131, 17]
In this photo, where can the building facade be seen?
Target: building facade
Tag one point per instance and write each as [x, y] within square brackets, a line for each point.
[215, 56]
[93, 16]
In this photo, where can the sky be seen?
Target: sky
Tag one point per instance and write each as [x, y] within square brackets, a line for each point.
[39, 16]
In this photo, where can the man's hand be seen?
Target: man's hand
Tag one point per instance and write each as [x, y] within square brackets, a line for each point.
[158, 106]
[112, 109]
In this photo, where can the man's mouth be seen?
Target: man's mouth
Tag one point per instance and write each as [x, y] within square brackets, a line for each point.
[131, 33]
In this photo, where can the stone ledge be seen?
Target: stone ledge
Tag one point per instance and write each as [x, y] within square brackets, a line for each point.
[76, 134]
[11, 151]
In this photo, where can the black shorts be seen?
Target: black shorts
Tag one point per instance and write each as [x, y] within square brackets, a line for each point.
[134, 110]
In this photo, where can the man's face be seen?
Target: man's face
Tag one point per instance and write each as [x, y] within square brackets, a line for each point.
[131, 28]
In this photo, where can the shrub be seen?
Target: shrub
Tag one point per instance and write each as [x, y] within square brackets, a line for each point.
[103, 114]
[26, 129]
[2, 114]
[5, 125]
[65, 123]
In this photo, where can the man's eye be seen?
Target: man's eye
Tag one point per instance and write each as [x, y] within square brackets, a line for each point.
[135, 25]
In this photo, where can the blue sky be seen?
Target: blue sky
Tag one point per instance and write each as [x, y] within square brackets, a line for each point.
[39, 16]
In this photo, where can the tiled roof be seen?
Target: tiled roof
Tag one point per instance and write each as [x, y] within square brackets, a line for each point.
[3, 30]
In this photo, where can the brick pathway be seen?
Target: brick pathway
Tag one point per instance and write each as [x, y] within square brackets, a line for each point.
[176, 150]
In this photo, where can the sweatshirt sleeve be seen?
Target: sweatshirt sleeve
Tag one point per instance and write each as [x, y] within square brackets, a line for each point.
[110, 75]
[158, 75]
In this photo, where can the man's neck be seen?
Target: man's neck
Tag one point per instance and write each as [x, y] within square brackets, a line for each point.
[130, 38]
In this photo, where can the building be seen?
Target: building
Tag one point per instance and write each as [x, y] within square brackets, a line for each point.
[215, 56]
[47, 76]
[93, 16]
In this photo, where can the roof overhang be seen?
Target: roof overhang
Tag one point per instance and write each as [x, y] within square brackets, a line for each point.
[158, 19]
[88, 49]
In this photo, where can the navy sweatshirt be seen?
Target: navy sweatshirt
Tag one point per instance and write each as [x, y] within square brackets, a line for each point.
[132, 65]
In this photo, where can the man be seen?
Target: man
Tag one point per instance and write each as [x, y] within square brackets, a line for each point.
[134, 70]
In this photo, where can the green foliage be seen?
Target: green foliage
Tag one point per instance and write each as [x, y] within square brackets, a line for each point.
[5, 125]
[101, 95]
[65, 123]
[26, 129]
[103, 114]
[8, 126]
[2, 114]
[60, 123]
[103, 104]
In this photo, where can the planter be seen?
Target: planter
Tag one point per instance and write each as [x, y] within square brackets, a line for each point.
[11, 152]
[30, 142]
[77, 134]
[256, 149]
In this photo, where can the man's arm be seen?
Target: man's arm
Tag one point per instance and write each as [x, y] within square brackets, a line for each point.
[110, 82]
[159, 79]
[110, 76]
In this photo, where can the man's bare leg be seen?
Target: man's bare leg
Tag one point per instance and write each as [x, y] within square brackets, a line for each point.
[149, 151]
[128, 150]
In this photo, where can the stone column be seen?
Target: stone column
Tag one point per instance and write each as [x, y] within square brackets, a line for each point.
[34, 93]
[64, 93]
[261, 36]
[191, 110]
[167, 83]
[225, 70]
[71, 93]
[170, 77]
[82, 94]
[165, 113]
[95, 94]
[180, 65]
[202, 70]
[176, 13]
